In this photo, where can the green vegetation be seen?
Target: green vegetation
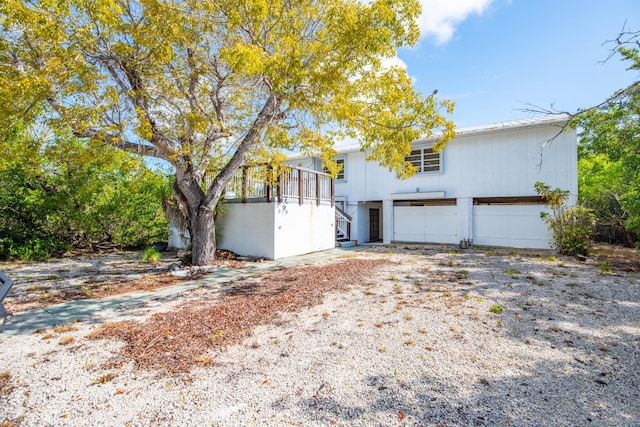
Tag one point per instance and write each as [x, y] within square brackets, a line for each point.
[495, 308]
[68, 193]
[211, 86]
[151, 255]
[609, 154]
[570, 226]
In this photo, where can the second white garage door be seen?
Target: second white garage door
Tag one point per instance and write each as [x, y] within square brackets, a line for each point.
[425, 224]
[516, 226]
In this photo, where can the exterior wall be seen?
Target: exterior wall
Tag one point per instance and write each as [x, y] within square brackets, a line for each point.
[178, 239]
[248, 229]
[276, 230]
[300, 229]
[490, 161]
[499, 163]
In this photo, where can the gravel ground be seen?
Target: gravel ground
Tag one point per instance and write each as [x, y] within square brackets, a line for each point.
[433, 338]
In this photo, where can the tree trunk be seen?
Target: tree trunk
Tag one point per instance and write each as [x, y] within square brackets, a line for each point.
[203, 237]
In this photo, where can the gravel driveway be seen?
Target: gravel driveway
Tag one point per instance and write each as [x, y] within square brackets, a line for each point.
[429, 337]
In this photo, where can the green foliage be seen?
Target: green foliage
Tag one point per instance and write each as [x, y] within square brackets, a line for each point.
[151, 255]
[609, 152]
[570, 226]
[496, 309]
[211, 85]
[68, 193]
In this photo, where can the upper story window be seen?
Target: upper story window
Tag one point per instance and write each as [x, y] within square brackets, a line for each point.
[341, 164]
[425, 160]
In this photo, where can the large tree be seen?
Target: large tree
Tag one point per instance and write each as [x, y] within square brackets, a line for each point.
[207, 84]
[609, 168]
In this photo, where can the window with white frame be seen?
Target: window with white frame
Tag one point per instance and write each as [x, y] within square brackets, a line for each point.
[341, 164]
[425, 160]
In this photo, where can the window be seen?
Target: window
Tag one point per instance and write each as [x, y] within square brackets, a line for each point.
[425, 160]
[341, 164]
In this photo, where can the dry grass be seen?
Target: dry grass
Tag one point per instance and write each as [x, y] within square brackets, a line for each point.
[178, 340]
[6, 383]
[67, 340]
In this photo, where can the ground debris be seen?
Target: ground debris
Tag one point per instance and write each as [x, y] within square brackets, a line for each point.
[175, 341]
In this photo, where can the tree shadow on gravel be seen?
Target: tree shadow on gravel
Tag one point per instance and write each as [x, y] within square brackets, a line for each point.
[573, 357]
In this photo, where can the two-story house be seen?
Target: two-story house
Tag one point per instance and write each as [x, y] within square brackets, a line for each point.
[479, 188]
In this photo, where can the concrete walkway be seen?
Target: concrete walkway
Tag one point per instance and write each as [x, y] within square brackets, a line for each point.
[85, 309]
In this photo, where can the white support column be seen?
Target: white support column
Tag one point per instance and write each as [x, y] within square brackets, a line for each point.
[465, 218]
[387, 221]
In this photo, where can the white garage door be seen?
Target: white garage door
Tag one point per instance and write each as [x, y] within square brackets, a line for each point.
[516, 226]
[425, 224]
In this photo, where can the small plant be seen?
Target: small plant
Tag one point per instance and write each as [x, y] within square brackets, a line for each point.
[604, 268]
[408, 317]
[104, 378]
[512, 272]
[499, 322]
[570, 226]
[382, 349]
[45, 296]
[378, 324]
[150, 255]
[88, 292]
[496, 309]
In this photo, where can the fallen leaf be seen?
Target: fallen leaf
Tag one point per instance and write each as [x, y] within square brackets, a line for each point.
[401, 415]
[119, 392]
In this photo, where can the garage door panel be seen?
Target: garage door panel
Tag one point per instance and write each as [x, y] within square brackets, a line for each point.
[441, 224]
[518, 226]
[425, 224]
[408, 223]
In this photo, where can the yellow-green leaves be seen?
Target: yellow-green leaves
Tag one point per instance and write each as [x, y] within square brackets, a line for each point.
[244, 58]
[192, 77]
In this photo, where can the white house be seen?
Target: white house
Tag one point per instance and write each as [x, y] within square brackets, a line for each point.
[272, 214]
[480, 187]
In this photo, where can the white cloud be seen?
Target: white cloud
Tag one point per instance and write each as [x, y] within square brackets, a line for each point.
[395, 61]
[440, 17]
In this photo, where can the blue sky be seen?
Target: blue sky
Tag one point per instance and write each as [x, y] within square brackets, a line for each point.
[493, 56]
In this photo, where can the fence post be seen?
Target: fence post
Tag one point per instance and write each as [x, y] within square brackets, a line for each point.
[333, 193]
[269, 184]
[245, 183]
[280, 181]
[300, 186]
[318, 177]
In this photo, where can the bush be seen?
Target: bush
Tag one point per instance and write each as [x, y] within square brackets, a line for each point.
[570, 226]
[151, 255]
[72, 193]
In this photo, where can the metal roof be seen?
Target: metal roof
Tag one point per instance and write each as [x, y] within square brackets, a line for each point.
[552, 119]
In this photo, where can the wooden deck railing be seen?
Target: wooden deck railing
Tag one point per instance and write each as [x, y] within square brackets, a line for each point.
[279, 184]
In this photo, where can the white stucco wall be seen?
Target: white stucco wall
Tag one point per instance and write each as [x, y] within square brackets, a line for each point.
[247, 229]
[301, 229]
[276, 230]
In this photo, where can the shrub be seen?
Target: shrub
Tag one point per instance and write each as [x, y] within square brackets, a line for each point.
[570, 226]
[151, 255]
